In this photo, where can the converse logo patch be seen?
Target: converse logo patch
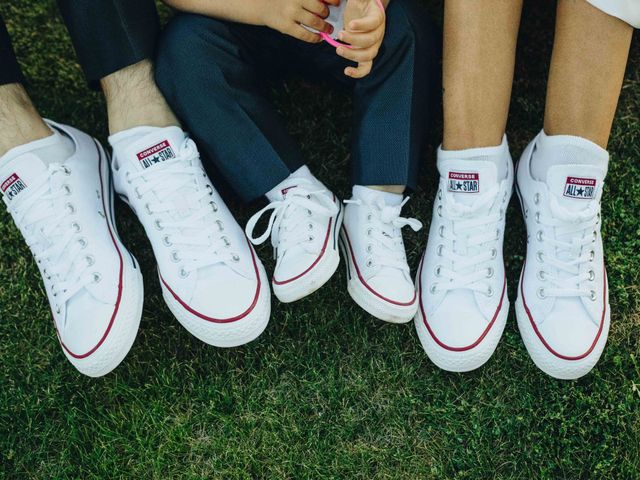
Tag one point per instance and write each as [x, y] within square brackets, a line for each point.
[12, 186]
[464, 182]
[576, 187]
[156, 154]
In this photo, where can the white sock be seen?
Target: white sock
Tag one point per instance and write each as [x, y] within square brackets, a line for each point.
[117, 140]
[56, 148]
[302, 173]
[498, 155]
[553, 150]
[360, 192]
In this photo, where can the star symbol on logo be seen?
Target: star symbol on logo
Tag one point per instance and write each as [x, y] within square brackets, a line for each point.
[459, 186]
[580, 191]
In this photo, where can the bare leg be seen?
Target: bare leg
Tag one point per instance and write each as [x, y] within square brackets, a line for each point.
[20, 122]
[134, 100]
[587, 68]
[479, 55]
[388, 188]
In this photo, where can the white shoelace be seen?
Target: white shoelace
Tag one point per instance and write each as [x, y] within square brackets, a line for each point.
[181, 203]
[470, 245]
[53, 236]
[573, 233]
[384, 233]
[293, 220]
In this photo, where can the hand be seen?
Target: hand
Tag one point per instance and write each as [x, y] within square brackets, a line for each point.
[288, 16]
[364, 22]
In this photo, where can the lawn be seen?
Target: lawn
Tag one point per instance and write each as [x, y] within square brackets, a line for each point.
[327, 391]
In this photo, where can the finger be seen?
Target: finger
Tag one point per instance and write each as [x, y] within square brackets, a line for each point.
[367, 24]
[359, 55]
[335, 3]
[362, 70]
[362, 40]
[317, 7]
[313, 21]
[301, 33]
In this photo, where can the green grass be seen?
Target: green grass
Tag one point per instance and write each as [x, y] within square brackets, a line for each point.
[327, 391]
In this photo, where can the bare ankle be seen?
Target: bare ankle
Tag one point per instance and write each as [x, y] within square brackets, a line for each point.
[399, 189]
[134, 100]
[20, 122]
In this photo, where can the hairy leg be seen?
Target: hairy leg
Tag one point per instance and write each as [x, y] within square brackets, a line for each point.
[479, 55]
[587, 68]
[20, 122]
[133, 99]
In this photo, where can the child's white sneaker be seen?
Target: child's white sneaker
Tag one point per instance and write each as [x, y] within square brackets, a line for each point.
[211, 278]
[562, 307]
[463, 304]
[304, 224]
[378, 276]
[64, 210]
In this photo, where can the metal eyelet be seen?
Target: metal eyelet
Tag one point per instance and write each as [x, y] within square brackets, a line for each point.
[595, 236]
[439, 250]
[440, 194]
[97, 278]
[593, 296]
[369, 248]
[537, 217]
[183, 273]
[439, 210]
[66, 170]
[147, 207]
[592, 275]
[310, 227]
[369, 263]
[536, 198]
[227, 242]
[369, 217]
[214, 206]
[369, 232]
[70, 208]
[166, 241]
[210, 189]
[541, 294]
[137, 192]
[76, 227]
[489, 292]
[494, 253]
[592, 255]
[490, 272]
[67, 189]
[158, 224]
[127, 177]
[174, 256]
[441, 231]
[90, 260]
[311, 238]
[434, 288]
[220, 225]
[539, 235]
[83, 242]
[58, 310]
[541, 275]
[438, 271]
[539, 256]
[235, 257]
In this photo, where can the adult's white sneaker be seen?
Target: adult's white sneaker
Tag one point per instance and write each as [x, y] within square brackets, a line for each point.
[64, 211]
[562, 307]
[211, 278]
[378, 276]
[304, 224]
[463, 303]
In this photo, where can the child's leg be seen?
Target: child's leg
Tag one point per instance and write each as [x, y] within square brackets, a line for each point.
[479, 57]
[213, 74]
[461, 282]
[562, 309]
[587, 68]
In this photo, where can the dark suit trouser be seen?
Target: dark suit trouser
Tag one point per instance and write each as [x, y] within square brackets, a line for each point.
[108, 35]
[213, 74]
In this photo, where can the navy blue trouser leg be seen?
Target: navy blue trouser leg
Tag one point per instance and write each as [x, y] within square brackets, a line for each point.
[213, 74]
[9, 69]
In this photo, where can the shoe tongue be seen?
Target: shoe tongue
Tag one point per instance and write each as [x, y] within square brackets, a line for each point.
[465, 180]
[18, 173]
[575, 186]
[153, 149]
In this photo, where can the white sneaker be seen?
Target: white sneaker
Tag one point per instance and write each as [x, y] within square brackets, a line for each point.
[304, 224]
[562, 306]
[211, 278]
[463, 304]
[65, 214]
[378, 277]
